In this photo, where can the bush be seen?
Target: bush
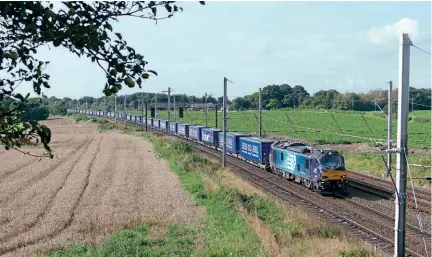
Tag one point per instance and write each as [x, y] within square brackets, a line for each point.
[79, 117]
[356, 253]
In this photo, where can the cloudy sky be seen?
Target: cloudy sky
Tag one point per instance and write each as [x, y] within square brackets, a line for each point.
[345, 46]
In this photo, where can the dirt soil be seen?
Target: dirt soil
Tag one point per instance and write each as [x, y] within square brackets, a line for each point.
[98, 184]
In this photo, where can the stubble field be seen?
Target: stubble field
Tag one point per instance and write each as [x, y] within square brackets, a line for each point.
[98, 184]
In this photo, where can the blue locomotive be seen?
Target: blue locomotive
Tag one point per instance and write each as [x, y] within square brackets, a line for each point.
[322, 171]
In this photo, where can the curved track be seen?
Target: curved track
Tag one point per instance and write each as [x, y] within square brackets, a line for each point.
[359, 220]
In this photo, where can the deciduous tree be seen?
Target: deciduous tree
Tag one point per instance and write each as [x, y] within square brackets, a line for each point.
[85, 29]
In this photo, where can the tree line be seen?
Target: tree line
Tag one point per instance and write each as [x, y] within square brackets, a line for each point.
[273, 97]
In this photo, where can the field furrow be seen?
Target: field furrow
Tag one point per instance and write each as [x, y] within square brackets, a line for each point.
[101, 183]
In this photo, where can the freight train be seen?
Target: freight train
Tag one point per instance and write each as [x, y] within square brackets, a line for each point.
[322, 171]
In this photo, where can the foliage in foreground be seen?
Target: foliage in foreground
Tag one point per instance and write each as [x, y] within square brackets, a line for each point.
[85, 29]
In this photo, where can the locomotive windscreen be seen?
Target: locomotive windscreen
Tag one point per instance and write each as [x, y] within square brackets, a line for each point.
[333, 161]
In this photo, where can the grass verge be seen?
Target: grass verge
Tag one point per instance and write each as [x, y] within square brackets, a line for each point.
[241, 220]
[373, 164]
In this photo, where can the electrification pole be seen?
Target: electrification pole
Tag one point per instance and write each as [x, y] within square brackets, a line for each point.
[389, 126]
[174, 108]
[216, 115]
[224, 121]
[402, 143]
[260, 113]
[169, 108]
[206, 114]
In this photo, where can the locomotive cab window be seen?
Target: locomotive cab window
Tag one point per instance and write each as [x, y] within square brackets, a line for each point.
[307, 164]
[281, 156]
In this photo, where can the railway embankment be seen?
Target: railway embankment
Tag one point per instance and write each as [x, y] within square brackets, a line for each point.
[251, 221]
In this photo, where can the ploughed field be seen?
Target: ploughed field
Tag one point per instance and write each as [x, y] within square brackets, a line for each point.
[98, 184]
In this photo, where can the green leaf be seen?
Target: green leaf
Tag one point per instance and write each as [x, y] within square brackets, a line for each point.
[20, 97]
[154, 10]
[152, 71]
[108, 26]
[202, 2]
[168, 8]
[45, 84]
[118, 35]
[139, 81]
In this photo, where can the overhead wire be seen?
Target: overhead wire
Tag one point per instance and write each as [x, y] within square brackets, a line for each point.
[426, 52]
[334, 133]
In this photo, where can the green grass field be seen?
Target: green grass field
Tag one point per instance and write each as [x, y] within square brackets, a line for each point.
[319, 127]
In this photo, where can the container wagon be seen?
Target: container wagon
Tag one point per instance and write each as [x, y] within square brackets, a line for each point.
[255, 150]
[173, 127]
[233, 141]
[156, 124]
[150, 122]
[163, 125]
[210, 136]
[195, 132]
[183, 130]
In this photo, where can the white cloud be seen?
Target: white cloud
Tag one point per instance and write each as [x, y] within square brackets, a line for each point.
[389, 33]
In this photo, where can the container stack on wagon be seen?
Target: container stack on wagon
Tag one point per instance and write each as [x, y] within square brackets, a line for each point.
[256, 150]
[173, 127]
[320, 170]
[233, 141]
[195, 132]
[210, 136]
[183, 130]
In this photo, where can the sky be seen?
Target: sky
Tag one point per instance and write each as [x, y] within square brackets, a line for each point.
[347, 46]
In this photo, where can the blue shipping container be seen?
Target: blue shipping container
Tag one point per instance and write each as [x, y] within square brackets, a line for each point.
[156, 124]
[195, 132]
[173, 127]
[255, 149]
[150, 122]
[210, 136]
[233, 141]
[183, 129]
[163, 125]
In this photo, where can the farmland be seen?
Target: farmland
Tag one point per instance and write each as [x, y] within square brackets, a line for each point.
[317, 127]
[97, 185]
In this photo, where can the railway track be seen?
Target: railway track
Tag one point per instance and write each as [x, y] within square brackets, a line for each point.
[384, 193]
[358, 220]
[422, 194]
[322, 206]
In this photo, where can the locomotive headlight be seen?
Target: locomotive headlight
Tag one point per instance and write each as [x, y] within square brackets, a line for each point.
[343, 176]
